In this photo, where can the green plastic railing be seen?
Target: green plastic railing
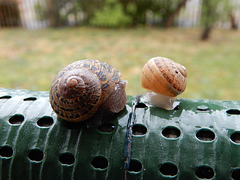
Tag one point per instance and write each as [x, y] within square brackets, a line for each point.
[200, 139]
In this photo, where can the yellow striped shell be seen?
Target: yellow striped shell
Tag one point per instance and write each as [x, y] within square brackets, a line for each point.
[164, 76]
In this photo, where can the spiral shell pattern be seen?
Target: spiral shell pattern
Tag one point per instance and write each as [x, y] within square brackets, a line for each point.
[80, 88]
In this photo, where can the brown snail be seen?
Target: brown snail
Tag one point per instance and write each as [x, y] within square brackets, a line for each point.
[86, 89]
[164, 79]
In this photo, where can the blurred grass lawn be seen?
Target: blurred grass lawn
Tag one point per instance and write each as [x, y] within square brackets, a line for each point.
[31, 59]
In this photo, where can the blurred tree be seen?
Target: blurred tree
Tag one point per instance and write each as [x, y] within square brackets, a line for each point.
[124, 13]
[234, 24]
[213, 11]
[167, 10]
[164, 11]
[169, 22]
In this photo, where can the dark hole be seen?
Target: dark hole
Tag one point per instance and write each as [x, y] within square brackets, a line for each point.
[67, 158]
[233, 111]
[100, 162]
[35, 155]
[139, 129]
[6, 151]
[106, 127]
[5, 97]
[16, 119]
[141, 105]
[135, 166]
[204, 172]
[205, 135]
[177, 107]
[203, 108]
[30, 99]
[169, 169]
[45, 121]
[236, 174]
[235, 137]
[171, 132]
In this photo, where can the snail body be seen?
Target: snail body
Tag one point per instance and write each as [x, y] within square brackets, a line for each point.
[86, 87]
[164, 79]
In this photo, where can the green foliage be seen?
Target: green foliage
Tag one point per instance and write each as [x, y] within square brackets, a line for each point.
[111, 15]
[131, 8]
[89, 7]
[137, 10]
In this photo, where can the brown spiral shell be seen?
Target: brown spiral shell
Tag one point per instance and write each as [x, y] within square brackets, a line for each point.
[164, 76]
[80, 88]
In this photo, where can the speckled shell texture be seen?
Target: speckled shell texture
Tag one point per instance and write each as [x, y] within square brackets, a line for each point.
[164, 76]
[98, 81]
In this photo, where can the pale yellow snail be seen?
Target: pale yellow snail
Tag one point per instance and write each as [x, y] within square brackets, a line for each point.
[87, 89]
[164, 79]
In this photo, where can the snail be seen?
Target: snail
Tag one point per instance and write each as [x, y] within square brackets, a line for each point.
[164, 79]
[87, 89]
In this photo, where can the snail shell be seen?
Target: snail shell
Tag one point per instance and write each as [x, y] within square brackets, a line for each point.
[82, 88]
[163, 78]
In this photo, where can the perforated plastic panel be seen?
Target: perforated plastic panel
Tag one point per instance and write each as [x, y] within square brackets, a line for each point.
[200, 139]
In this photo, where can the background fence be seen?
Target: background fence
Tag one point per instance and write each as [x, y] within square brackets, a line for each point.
[36, 14]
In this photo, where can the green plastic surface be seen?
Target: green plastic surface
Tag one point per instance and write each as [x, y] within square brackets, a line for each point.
[198, 140]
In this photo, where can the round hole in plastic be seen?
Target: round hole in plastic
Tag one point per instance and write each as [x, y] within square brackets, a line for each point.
[106, 128]
[168, 169]
[235, 137]
[35, 155]
[233, 112]
[141, 105]
[205, 135]
[171, 132]
[139, 129]
[6, 151]
[6, 97]
[236, 174]
[100, 162]
[177, 107]
[30, 99]
[16, 119]
[203, 108]
[204, 172]
[45, 121]
[135, 166]
[67, 158]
